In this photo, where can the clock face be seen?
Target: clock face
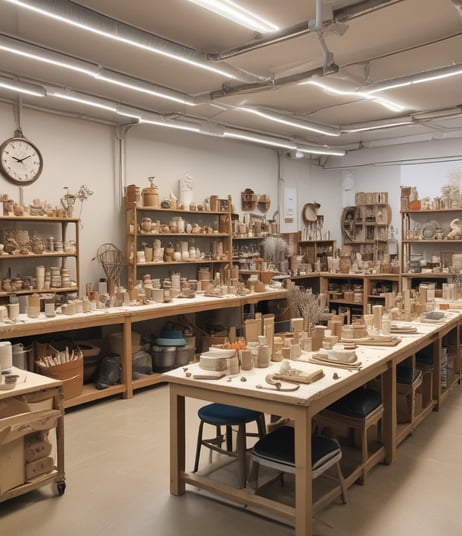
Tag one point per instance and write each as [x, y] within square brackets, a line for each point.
[20, 161]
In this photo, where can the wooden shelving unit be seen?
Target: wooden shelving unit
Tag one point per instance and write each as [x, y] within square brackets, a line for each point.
[23, 264]
[213, 239]
[426, 252]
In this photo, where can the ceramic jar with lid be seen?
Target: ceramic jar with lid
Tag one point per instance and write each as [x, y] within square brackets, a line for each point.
[150, 195]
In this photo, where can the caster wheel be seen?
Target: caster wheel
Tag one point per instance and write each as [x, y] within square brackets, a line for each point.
[61, 486]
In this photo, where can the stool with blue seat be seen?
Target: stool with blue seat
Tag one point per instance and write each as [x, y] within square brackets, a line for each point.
[277, 451]
[223, 415]
[359, 412]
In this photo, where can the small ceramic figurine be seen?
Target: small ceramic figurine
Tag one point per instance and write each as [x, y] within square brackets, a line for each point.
[456, 230]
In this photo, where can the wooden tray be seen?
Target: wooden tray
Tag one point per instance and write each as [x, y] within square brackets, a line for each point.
[320, 360]
[300, 377]
[372, 341]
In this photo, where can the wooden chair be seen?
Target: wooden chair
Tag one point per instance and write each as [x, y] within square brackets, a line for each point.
[277, 451]
[358, 412]
[219, 415]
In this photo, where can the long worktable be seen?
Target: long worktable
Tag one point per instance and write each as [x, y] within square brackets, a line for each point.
[125, 319]
[301, 406]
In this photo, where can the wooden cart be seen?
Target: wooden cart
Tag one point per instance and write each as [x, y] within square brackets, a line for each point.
[29, 414]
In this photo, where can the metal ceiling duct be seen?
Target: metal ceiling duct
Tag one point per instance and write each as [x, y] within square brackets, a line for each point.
[91, 21]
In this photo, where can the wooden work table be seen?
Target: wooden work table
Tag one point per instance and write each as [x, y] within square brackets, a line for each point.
[300, 406]
[126, 318]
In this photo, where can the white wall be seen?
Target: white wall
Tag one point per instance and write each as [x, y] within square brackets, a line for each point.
[79, 151]
[75, 152]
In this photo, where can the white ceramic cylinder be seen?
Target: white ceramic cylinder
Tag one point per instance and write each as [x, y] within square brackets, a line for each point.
[40, 277]
[377, 311]
[13, 311]
[6, 355]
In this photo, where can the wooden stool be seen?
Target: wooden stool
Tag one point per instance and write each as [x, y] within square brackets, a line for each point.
[219, 415]
[358, 411]
[277, 451]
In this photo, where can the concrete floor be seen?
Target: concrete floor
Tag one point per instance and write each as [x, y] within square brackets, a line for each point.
[117, 474]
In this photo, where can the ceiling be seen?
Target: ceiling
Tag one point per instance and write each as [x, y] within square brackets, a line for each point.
[358, 45]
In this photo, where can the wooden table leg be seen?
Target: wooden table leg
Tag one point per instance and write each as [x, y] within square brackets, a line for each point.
[177, 442]
[303, 484]
[389, 413]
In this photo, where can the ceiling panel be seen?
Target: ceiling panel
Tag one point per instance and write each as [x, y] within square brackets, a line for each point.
[399, 39]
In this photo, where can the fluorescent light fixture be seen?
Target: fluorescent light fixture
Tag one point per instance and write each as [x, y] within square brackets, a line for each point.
[436, 114]
[236, 13]
[390, 105]
[143, 87]
[127, 111]
[397, 141]
[25, 50]
[172, 51]
[82, 99]
[46, 56]
[321, 151]
[21, 87]
[418, 78]
[257, 138]
[377, 126]
[158, 120]
[297, 123]
[212, 129]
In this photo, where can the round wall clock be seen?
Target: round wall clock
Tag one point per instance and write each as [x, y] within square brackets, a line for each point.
[20, 160]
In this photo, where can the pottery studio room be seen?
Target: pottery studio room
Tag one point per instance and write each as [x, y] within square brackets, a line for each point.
[230, 267]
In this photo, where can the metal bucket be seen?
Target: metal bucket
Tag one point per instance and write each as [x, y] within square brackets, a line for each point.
[163, 358]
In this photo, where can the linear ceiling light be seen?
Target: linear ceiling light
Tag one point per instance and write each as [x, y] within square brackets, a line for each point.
[258, 138]
[390, 105]
[82, 99]
[377, 126]
[418, 78]
[321, 150]
[47, 56]
[297, 123]
[236, 13]
[170, 124]
[436, 114]
[25, 50]
[143, 87]
[21, 87]
[172, 51]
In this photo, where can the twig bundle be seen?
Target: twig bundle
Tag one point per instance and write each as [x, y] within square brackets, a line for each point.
[60, 357]
[305, 304]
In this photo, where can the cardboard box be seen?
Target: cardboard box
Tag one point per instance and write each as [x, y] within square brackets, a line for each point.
[12, 469]
[39, 467]
[70, 373]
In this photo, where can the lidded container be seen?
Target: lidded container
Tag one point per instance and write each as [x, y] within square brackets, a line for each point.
[150, 195]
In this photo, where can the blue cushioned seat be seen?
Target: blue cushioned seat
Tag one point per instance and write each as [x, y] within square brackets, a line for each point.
[279, 446]
[277, 451]
[219, 415]
[357, 404]
[358, 412]
[222, 414]
[407, 375]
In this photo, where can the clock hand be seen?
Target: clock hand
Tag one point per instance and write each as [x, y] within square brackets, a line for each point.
[21, 160]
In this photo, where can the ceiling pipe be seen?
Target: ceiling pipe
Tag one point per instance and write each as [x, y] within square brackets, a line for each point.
[303, 28]
[88, 20]
[228, 91]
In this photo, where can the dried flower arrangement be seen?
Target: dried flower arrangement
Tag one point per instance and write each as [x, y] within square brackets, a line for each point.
[306, 305]
[68, 200]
